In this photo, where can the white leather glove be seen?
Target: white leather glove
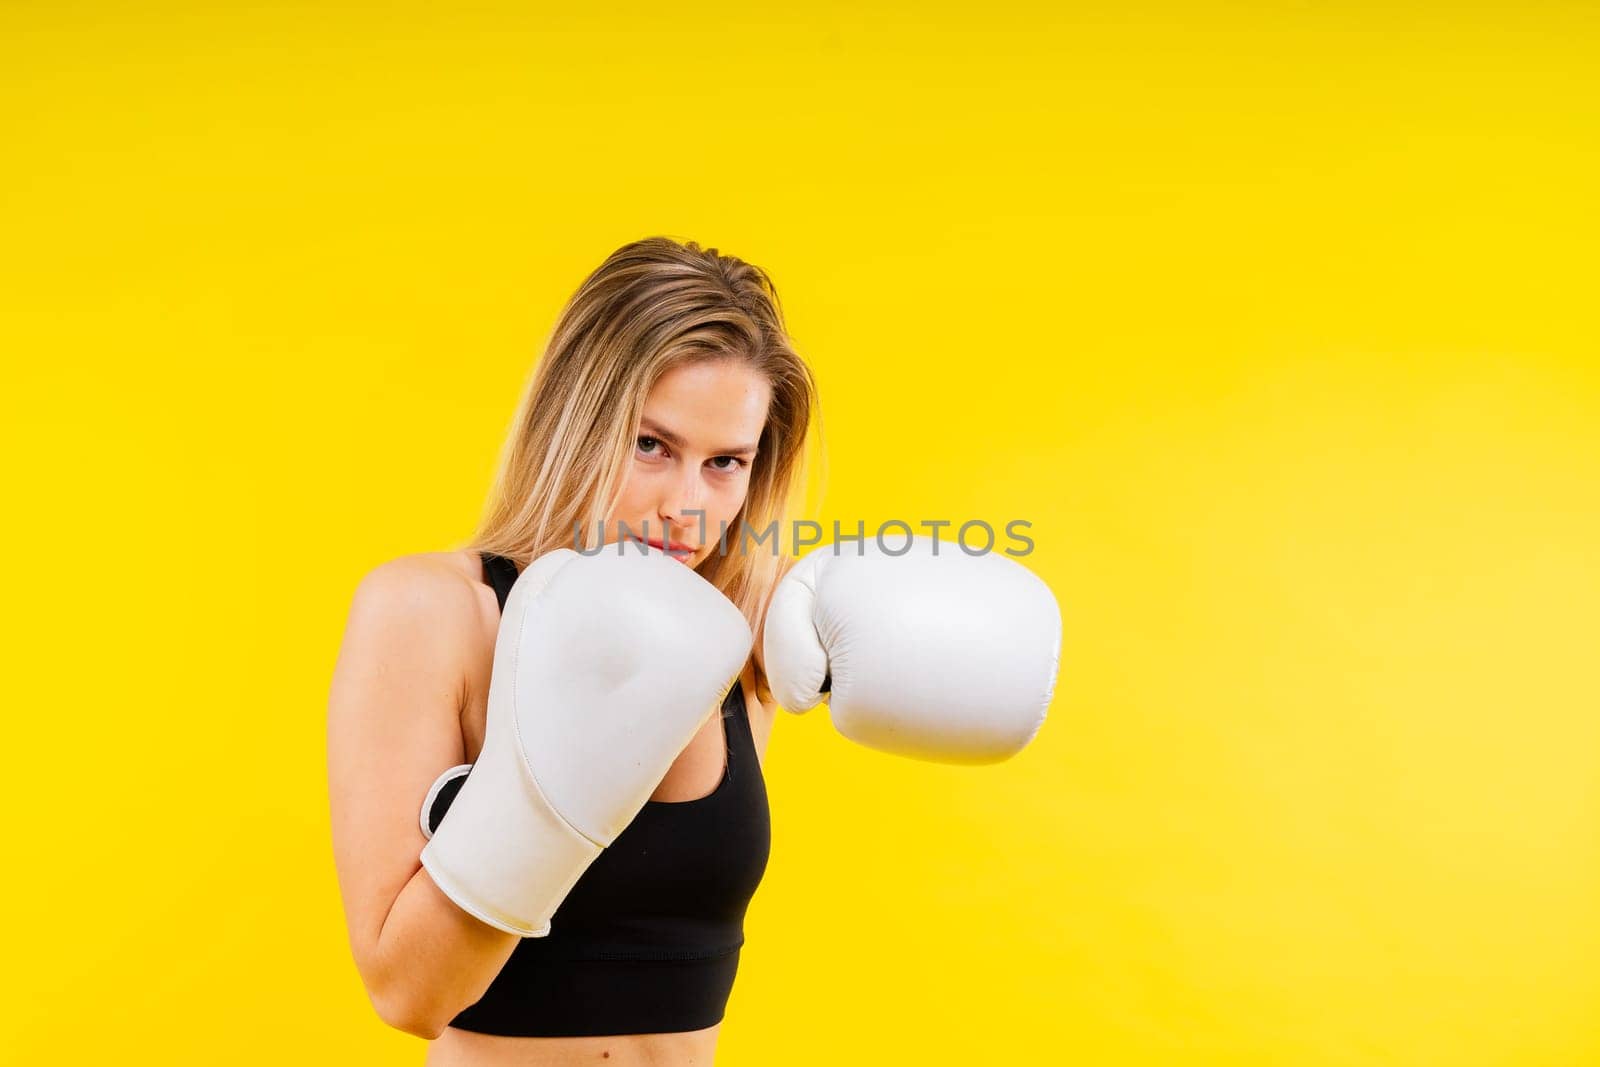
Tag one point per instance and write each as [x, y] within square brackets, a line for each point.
[604, 669]
[945, 657]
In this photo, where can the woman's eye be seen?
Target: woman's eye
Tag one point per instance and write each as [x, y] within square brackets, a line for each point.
[653, 447]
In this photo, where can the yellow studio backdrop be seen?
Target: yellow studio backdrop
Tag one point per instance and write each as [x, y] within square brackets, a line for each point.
[1276, 322]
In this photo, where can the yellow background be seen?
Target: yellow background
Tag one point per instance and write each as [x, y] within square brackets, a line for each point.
[1277, 321]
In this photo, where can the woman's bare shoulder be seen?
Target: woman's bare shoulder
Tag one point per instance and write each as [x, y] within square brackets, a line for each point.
[785, 565]
[440, 584]
[760, 709]
[426, 608]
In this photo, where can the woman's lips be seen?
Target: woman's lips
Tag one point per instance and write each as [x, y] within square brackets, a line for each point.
[676, 549]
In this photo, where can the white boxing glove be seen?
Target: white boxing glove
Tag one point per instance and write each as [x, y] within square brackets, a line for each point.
[947, 657]
[605, 667]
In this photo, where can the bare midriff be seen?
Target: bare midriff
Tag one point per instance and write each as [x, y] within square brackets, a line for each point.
[462, 1048]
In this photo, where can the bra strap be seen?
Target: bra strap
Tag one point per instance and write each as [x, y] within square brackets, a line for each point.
[500, 573]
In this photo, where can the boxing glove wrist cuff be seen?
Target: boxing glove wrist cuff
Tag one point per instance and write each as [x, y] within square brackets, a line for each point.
[440, 795]
[503, 853]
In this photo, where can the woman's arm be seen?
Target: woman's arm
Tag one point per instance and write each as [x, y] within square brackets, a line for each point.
[394, 723]
[762, 692]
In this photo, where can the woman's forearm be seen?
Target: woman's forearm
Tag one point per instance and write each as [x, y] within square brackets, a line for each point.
[431, 960]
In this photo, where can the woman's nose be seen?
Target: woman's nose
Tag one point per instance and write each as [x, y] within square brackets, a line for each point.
[688, 495]
[681, 514]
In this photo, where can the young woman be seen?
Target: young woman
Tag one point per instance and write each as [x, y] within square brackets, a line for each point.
[584, 899]
[668, 405]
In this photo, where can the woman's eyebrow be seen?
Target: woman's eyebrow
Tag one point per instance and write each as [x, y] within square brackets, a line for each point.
[655, 429]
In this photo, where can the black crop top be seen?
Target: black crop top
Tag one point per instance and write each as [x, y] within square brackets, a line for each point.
[648, 939]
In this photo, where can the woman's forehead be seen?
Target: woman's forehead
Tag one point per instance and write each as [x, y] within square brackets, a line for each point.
[720, 405]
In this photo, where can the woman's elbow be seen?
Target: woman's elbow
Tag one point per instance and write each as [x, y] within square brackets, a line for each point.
[404, 1010]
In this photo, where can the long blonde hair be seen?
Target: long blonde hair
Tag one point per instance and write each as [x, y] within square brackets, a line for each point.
[653, 305]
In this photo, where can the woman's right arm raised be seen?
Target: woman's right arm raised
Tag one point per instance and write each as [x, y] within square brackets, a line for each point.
[394, 723]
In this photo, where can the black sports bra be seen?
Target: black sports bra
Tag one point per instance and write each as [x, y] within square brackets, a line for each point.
[648, 939]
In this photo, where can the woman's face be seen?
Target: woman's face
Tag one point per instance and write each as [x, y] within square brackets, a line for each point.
[692, 453]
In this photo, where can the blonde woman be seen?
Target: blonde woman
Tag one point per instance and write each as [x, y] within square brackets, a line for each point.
[554, 868]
